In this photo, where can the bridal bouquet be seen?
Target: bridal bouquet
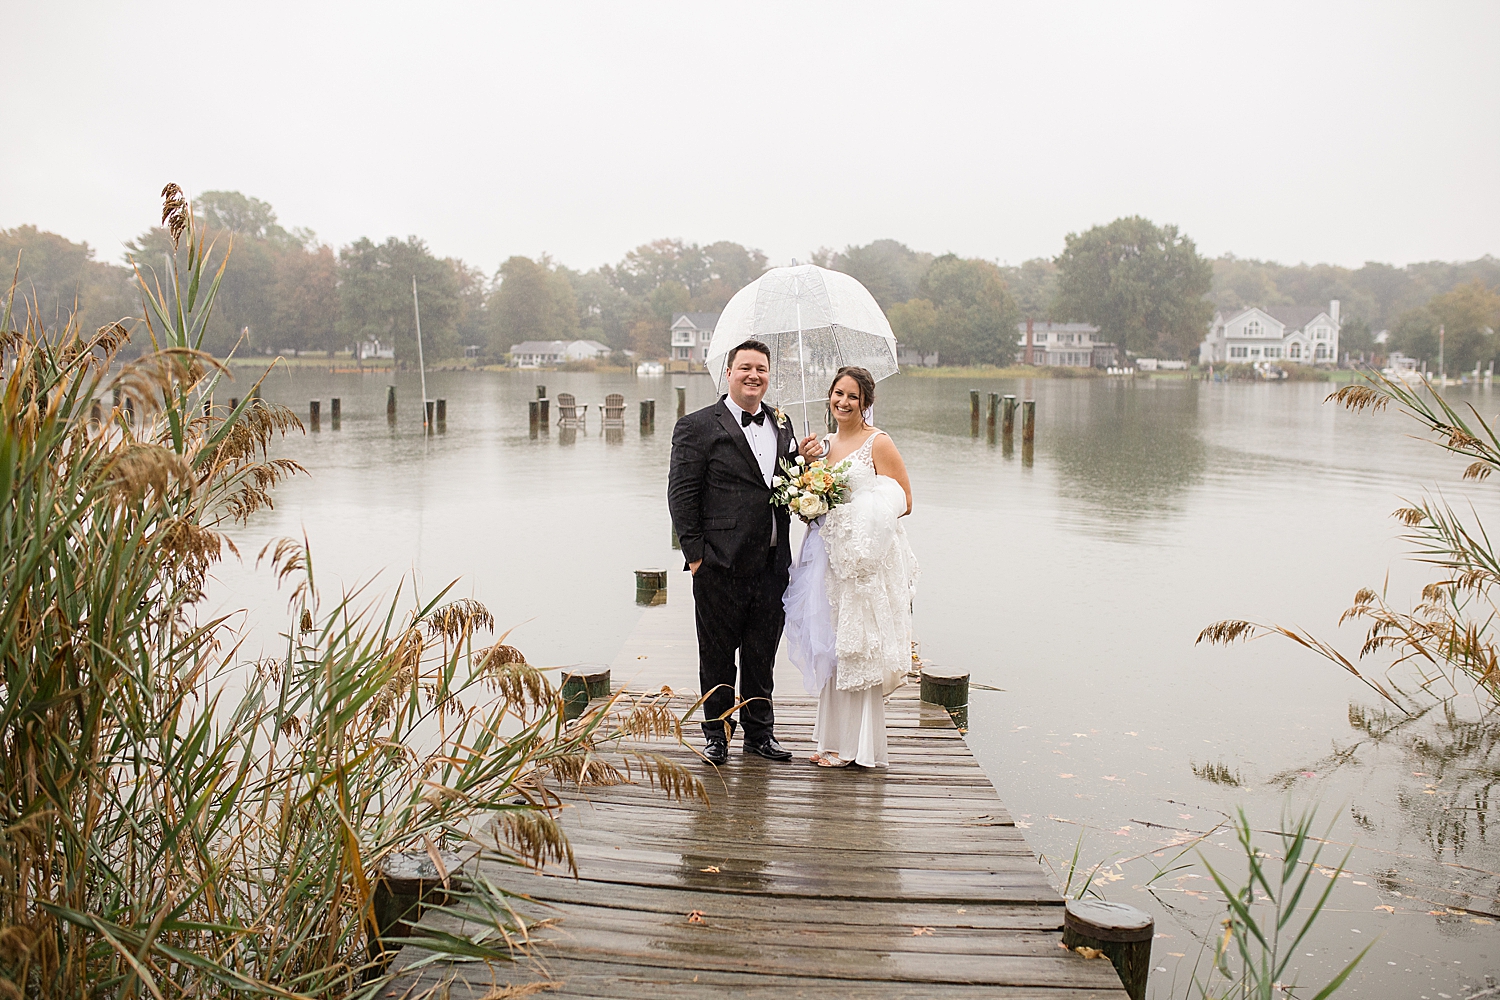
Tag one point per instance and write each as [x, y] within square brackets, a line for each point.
[810, 490]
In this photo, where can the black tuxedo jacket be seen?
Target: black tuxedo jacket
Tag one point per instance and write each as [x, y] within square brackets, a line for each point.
[720, 503]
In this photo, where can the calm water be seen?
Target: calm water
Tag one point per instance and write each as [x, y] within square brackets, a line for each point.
[1076, 584]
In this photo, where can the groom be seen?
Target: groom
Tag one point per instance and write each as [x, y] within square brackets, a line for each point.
[736, 545]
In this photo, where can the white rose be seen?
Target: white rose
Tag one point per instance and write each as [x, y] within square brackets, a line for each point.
[775, 480]
[801, 460]
[807, 506]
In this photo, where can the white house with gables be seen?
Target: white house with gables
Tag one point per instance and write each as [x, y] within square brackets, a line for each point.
[691, 333]
[544, 353]
[1302, 334]
[1065, 345]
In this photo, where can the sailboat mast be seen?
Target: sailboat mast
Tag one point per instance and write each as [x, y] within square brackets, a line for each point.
[422, 365]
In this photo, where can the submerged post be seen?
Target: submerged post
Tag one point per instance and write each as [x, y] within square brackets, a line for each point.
[390, 404]
[314, 412]
[994, 406]
[1121, 931]
[336, 412]
[646, 427]
[681, 401]
[546, 415]
[1028, 421]
[974, 412]
[533, 413]
[429, 424]
[442, 412]
[1008, 415]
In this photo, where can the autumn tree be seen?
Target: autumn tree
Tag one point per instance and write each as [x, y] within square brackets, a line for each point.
[58, 278]
[530, 301]
[891, 271]
[1143, 285]
[375, 300]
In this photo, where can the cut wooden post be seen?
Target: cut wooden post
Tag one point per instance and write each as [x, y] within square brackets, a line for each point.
[546, 414]
[651, 584]
[681, 401]
[992, 411]
[1008, 415]
[541, 392]
[645, 416]
[949, 689]
[405, 885]
[427, 416]
[234, 404]
[1121, 931]
[974, 411]
[335, 411]
[1028, 421]
[314, 412]
[581, 685]
[208, 406]
[442, 411]
[390, 404]
[533, 414]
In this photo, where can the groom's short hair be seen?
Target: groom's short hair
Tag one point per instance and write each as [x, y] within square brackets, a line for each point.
[749, 345]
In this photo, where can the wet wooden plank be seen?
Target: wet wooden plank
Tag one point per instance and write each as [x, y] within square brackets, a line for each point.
[795, 881]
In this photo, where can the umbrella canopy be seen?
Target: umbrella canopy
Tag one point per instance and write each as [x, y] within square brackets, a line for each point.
[814, 321]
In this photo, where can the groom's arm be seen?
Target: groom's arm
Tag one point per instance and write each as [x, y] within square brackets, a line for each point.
[688, 469]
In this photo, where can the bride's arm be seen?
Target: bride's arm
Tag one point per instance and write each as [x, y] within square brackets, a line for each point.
[888, 463]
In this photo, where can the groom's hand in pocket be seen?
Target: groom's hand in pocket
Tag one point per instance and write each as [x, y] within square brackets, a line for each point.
[693, 567]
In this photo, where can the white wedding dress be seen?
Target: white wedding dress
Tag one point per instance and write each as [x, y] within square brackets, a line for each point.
[848, 612]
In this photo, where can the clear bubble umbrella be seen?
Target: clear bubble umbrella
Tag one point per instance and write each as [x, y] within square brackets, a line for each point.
[815, 321]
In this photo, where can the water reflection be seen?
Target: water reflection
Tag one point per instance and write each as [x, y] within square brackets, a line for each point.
[1128, 450]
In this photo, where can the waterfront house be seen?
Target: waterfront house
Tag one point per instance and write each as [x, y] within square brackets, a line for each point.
[691, 333]
[1303, 334]
[910, 357]
[544, 353]
[1064, 345]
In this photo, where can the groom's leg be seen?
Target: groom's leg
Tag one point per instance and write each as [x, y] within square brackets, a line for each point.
[759, 638]
[719, 607]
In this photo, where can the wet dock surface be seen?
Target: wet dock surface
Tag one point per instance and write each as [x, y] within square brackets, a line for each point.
[795, 881]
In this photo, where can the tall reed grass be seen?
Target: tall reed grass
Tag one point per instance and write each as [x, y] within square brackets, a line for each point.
[177, 822]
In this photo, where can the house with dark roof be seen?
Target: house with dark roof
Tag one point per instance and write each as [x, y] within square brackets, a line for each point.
[1307, 335]
[691, 333]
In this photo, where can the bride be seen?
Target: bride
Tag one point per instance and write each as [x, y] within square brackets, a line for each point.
[848, 604]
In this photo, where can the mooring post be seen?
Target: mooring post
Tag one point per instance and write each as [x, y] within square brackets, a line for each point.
[1121, 931]
[96, 417]
[546, 414]
[993, 408]
[974, 412]
[430, 423]
[645, 416]
[442, 412]
[1028, 421]
[314, 412]
[234, 404]
[947, 688]
[541, 392]
[335, 411]
[533, 413]
[652, 420]
[405, 886]
[208, 406]
[581, 685]
[681, 401]
[651, 585]
[1008, 415]
[390, 404]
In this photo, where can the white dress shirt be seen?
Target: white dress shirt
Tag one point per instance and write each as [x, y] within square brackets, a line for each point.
[762, 440]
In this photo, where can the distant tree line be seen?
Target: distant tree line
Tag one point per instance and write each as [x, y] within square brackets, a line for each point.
[1144, 285]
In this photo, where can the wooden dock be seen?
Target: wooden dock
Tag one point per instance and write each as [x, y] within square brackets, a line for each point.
[796, 881]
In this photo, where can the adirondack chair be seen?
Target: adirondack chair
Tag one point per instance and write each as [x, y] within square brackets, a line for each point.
[569, 413]
[614, 411]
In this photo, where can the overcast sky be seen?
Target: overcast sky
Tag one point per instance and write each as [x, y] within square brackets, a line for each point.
[1293, 132]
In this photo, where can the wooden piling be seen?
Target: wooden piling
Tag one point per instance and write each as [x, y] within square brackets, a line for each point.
[116, 396]
[992, 410]
[681, 401]
[335, 411]
[948, 689]
[406, 885]
[1008, 415]
[581, 685]
[1028, 421]
[541, 392]
[429, 423]
[546, 414]
[1121, 931]
[651, 585]
[234, 404]
[314, 413]
[533, 413]
[646, 427]
[442, 412]
[974, 412]
[390, 404]
[208, 406]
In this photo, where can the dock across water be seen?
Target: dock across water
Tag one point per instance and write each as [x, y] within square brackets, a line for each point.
[795, 881]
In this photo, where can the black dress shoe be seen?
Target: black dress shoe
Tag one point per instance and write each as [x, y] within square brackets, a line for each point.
[716, 753]
[769, 749]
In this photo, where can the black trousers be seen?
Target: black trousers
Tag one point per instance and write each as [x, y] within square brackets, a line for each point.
[738, 613]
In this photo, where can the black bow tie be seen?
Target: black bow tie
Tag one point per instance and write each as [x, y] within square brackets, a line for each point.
[759, 416]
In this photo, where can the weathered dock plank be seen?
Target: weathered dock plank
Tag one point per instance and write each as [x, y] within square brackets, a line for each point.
[795, 881]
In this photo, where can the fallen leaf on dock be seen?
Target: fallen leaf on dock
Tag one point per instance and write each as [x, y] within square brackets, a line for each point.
[921, 932]
[1386, 909]
[711, 869]
[695, 916]
[1088, 952]
[1065, 776]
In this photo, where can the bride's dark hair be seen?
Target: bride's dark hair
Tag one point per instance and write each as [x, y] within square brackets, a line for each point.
[863, 379]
